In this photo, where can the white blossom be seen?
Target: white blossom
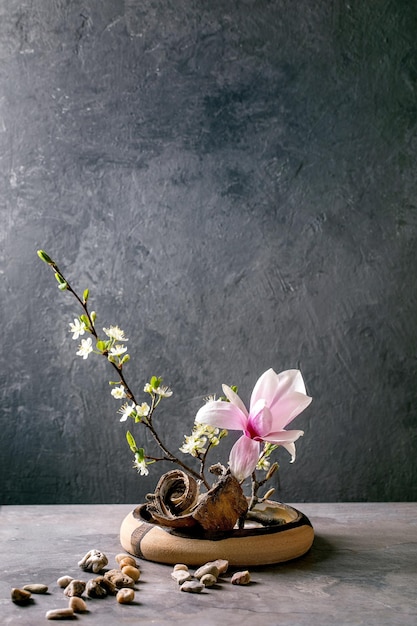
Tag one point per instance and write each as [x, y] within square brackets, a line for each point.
[126, 410]
[85, 348]
[163, 391]
[77, 328]
[118, 392]
[142, 409]
[114, 332]
[141, 467]
[263, 464]
[117, 350]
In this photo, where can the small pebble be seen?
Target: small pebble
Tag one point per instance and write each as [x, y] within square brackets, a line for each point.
[77, 605]
[128, 560]
[132, 572]
[125, 596]
[208, 580]
[119, 579]
[108, 585]
[180, 566]
[64, 581]
[221, 564]
[122, 557]
[20, 596]
[93, 561]
[240, 578]
[94, 589]
[60, 614]
[208, 568]
[192, 586]
[36, 588]
[180, 576]
[75, 588]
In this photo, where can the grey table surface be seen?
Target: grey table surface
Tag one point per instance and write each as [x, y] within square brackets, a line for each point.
[361, 569]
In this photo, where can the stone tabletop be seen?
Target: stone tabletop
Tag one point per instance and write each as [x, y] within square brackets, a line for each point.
[362, 569]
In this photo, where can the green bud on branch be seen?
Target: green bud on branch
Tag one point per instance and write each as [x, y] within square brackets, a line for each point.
[62, 283]
[131, 441]
[45, 257]
[102, 346]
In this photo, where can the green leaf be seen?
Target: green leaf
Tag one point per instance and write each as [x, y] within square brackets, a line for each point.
[140, 455]
[85, 295]
[131, 441]
[155, 382]
[85, 319]
[125, 359]
[45, 257]
[101, 345]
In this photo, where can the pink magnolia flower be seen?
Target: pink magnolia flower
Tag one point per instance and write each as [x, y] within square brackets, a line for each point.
[276, 400]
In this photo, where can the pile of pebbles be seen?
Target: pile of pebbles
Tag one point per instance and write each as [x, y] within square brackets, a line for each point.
[206, 576]
[119, 582]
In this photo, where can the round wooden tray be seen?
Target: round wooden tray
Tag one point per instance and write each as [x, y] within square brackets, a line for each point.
[251, 546]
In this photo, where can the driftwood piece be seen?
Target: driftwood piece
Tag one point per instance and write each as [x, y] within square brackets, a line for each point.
[176, 503]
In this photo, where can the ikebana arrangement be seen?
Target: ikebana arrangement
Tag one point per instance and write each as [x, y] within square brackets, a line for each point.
[197, 498]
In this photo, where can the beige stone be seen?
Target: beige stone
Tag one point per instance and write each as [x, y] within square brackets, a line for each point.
[36, 588]
[77, 604]
[125, 596]
[60, 614]
[20, 596]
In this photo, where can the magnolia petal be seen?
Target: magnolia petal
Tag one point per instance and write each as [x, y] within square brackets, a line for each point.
[234, 398]
[244, 457]
[221, 414]
[288, 408]
[273, 387]
[290, 447]
[284, 436]
[260, 421]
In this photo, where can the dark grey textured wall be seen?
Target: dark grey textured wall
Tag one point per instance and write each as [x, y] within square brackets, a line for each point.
[236, 184]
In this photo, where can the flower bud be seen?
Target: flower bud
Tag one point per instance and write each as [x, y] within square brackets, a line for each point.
[45, 257]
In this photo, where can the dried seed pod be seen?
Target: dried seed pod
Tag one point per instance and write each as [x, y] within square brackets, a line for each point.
[77, 605]
[132, 572]
[95, 590]
[125, 596]
[20, 596]
[36, 588]
[240, 578]
[60, 614]
[208, 568]
[75, 588]
[93, 561]
[64, 581]
[192, 586]
[208, 580]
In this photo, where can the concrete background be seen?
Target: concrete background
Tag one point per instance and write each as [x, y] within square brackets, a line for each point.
[236, 184]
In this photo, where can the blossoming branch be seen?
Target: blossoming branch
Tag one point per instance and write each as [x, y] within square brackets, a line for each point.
[276, 400]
